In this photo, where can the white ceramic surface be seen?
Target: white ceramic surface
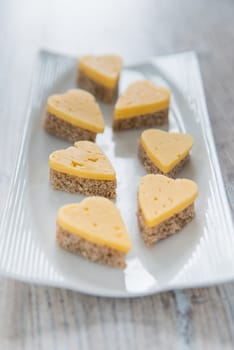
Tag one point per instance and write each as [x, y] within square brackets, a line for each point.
[201, 254]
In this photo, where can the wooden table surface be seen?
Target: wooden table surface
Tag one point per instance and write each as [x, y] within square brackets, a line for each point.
[35, 317]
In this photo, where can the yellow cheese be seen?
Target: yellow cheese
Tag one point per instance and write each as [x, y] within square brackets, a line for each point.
[85, 160]
[77, 107]
[160, 197]
[141, 97]
[165, 149]
[97, 220]
[105, 69]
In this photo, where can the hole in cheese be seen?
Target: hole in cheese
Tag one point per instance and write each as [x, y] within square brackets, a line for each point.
[75, 164]
[93, 159]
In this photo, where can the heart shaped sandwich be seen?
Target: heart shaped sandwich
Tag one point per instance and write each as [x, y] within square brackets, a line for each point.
[74, 116]
[100, 75]
[164, 206]
[164, 153]
[83, 168]
[95, 230]
[142, 104]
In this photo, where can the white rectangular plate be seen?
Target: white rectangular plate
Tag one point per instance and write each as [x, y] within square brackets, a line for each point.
[201, 254]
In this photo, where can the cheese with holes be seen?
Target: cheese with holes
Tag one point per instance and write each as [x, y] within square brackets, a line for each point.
[160, 197]
[79, 108]
[165, 149]
[140, 98]
[85, 159]
[104, 69]
[97, 220]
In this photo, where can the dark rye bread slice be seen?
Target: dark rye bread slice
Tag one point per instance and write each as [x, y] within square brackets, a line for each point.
[153, 169]
[88, 250]
[166, 228]
[104, 93]
[75, 184]
[141, 121]
[61, 128]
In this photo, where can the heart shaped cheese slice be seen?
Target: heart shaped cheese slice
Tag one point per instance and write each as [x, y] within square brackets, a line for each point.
[102, 69]
[85, 160]
[77, 107]
[160, 197]
[141, 97]
[98, 220]
[165, 149]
